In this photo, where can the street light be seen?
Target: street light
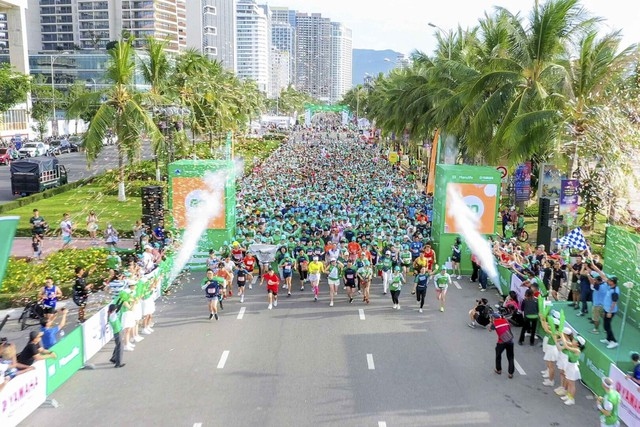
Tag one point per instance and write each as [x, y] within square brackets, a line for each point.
[54, 121]
[443, 33]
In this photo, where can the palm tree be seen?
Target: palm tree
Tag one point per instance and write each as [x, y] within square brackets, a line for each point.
[592, 75]
[513, 104]
[121, 112]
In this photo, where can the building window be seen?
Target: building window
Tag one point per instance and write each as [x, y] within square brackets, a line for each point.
[210, 10]
[211, 50]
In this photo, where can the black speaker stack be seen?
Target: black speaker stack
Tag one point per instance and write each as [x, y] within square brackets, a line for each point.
[152, 205]
[548, 216]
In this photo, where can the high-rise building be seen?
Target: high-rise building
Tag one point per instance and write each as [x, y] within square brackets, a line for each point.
[341, 61]
[280, 77]
[253, 43]
[283, 34]
[91, 24]
[212, 29]
[313, 55]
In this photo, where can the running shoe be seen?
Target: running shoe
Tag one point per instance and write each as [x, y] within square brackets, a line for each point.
[216, 316]
[459, 277]
[442, 309]
[548, 383]
[331, 304]
[569, 402]
[350, 300]
[471, 325]
[221, 306]
[594, 331]
[604, 341]
[275, 303]
[612, 344]
[288, 294]
[302, 288]
[210, 316]
[420, 310]
[483, 290]
[315, 299]
[242, 299]
[270, 307]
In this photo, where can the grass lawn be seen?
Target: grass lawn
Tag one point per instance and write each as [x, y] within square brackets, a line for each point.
[78, 203]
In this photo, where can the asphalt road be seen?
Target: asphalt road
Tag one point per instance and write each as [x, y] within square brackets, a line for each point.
[306, 364]
[76, 165]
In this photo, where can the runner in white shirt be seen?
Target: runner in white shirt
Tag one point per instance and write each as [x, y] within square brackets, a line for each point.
[442, 281]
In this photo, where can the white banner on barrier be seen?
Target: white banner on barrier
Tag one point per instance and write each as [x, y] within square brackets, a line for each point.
[629, 397]
[516, 285]
[96, 333]
[22, 395]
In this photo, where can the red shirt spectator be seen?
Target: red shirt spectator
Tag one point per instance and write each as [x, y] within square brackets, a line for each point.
[501, 325]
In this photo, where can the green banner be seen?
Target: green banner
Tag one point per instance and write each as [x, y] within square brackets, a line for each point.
[69, 352]
[594, 365]
[8, 225]
[505, 279]
[314, 108]
[622, 258]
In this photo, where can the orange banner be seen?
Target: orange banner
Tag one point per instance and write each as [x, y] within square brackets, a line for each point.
[431, 182]
[189, 193]
[481, 199]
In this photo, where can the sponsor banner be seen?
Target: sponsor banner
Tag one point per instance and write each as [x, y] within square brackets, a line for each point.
[481, 199]
[629, 411]
[522, 182]
[69, 352]
[191, 192]
[22, 395]
[505, 280]
[96, 332]
[594, 364]
[549, 181]
[568, 206]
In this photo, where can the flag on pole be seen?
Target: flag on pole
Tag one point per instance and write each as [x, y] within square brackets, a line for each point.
[575, 240]
[431, 180]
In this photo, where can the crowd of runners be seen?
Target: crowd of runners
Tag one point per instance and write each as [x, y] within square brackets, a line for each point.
[336, 210]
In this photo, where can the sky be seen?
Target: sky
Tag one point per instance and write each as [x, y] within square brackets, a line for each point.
[401, 25]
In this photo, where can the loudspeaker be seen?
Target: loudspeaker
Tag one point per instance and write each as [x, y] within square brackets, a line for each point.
[152, 205]
[544, 237]
[548, 211]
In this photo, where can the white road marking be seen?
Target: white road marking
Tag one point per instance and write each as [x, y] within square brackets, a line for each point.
[455, 282]
[223, 359]
[241, 313]
[380, 424]
[589, 397]
[370, 362]
[361, 311]
[197, 424]
[519, 368]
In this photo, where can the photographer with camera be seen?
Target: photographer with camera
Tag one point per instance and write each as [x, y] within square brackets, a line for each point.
[480, 314]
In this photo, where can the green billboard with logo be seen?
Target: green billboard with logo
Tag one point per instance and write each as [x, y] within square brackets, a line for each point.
[479, 187]
[194, 184]
[69, 358]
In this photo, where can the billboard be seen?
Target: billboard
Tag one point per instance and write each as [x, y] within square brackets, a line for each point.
[568, 206]
[188, 193]
[482, 200]
[479, 187]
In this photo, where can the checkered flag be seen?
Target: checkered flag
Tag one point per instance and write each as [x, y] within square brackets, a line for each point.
[575, 240]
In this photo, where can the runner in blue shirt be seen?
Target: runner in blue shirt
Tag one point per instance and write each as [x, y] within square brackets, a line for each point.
[211, 286]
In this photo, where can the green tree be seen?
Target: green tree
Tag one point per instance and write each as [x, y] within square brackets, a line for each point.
[15, 87]
[121, 112]
[42, 104]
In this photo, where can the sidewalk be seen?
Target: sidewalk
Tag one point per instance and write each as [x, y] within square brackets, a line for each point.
[22, 245]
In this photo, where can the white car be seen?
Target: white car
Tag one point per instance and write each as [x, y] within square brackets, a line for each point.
[33, 149]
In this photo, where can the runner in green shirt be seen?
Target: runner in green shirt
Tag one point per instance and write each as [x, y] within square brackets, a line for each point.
[397, 279]
[405, 259]
[442, 281]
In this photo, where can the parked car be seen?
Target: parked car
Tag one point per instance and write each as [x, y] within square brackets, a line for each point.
[59, 146]
[33, 149]
[7, 155]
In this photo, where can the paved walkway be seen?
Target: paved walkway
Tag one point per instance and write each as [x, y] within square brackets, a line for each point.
[22, 245]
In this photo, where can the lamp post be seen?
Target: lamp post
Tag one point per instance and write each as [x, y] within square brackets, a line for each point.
[443, 33]
[54, 121]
